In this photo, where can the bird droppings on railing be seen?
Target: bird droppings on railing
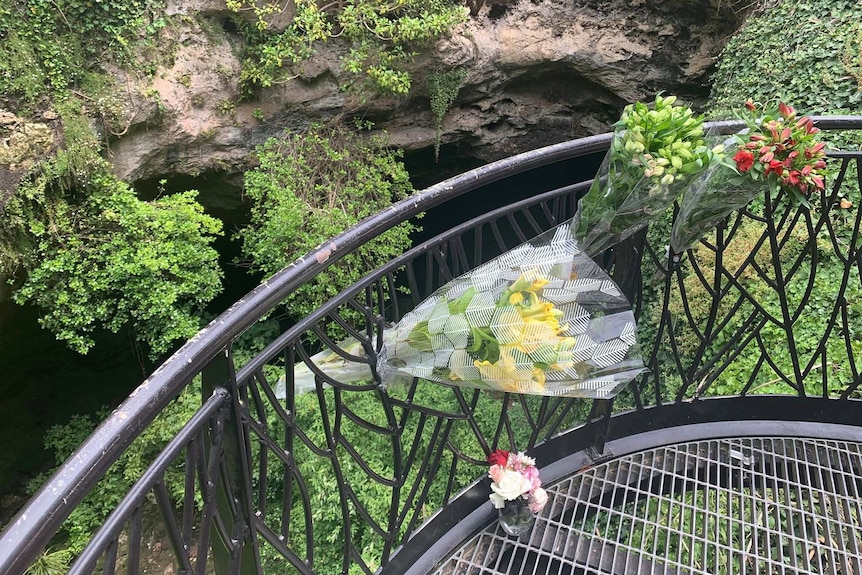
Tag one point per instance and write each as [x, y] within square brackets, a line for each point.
[324, 254]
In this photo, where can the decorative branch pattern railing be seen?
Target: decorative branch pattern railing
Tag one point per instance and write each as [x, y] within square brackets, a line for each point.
[336, 480]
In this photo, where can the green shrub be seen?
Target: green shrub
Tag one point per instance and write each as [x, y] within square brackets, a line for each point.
[380, 37]
[310, 187]
[91, 255]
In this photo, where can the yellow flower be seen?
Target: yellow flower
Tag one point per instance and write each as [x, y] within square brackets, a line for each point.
[538, 284]
[539, 376]
[516, 298]
[544, 312]
[492, 374]
[522, 284]
[536, 333]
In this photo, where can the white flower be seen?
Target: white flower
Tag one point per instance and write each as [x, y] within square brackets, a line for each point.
[524, 460]
[498, 501]
[511, 485]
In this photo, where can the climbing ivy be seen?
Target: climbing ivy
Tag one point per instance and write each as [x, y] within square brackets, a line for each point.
[380, 36]
[443, 88]
[803, 52]
[46, 45]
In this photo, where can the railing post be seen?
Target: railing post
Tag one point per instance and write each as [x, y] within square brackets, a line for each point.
[234, 550]
[627, 261]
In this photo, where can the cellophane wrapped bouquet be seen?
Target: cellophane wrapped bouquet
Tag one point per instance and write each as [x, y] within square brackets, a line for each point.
[542, 319]
[656, 152]
[775, 152]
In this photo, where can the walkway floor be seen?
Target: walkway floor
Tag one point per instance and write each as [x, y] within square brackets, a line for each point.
[730, 506]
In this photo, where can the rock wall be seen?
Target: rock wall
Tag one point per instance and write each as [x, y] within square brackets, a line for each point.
[538, 72]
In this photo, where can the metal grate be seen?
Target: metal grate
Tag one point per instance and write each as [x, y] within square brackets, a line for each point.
[729, 506]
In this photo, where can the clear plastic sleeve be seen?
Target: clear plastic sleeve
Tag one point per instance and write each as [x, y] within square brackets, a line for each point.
[541, 319]
[655, 153]
[716, 194]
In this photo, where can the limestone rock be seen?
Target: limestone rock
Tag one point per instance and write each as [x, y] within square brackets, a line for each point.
[22, 144]
[538, 72]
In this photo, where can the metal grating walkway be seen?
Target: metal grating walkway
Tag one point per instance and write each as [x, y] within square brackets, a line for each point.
[730, 506]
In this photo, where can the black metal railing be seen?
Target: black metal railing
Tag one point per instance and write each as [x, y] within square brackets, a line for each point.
[340, 479]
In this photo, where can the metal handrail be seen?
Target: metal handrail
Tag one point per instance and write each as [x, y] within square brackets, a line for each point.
[31, 529]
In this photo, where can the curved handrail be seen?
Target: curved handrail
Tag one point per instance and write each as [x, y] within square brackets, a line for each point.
[34, 525]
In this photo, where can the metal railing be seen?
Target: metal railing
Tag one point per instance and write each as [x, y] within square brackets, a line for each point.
[341, 479]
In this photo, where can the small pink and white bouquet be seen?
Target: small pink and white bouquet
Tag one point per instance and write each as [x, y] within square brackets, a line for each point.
[515, 476]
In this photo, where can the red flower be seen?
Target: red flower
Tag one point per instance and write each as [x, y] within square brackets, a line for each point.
[793, 177]
[744, 160]
[805, 123]
[814, 150]
[498, 457]
[775, 166]
[785, 110]
[750, 105]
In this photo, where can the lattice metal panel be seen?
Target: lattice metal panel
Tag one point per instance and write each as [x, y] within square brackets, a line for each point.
[734, 506]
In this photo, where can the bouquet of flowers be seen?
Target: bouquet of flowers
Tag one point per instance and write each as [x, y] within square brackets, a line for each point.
[515, 476]
[656, 152]
[542, 318]
[776, 151]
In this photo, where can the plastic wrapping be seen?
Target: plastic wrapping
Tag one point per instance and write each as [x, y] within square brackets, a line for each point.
[776, 152]
[655, 154]
[709, 200]
[541, 319]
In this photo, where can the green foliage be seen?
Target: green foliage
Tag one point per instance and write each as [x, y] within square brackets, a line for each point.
[380, 37]
[443, 88]
[50, 563]
[91, 255]
[805, 53]
[110, 24]
[310, 187]
[147, 265]
[45, 45]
